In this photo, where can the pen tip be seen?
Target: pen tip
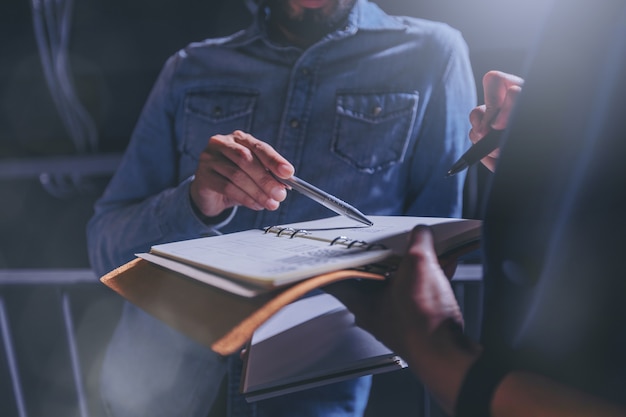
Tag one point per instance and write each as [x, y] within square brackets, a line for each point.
[458, 166]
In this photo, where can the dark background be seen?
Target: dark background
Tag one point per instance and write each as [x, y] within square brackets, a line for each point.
[117, 48]
[48, 186]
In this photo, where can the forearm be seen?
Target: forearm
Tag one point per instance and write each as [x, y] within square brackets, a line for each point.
[119, 231]
[442, 365]
[523, 394]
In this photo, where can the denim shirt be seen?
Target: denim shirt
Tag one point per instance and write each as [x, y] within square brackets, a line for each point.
[374, 113]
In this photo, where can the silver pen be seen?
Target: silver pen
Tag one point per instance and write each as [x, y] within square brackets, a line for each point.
[325, 199]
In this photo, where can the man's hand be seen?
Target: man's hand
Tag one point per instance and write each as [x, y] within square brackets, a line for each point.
[233, 170]
[501, 91]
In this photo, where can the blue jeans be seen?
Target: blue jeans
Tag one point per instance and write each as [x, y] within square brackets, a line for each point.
[153, 371]
[342, 399]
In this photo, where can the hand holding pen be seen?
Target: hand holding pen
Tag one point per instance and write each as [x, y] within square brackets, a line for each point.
[239, 169]
[501, 91]
[233, 171]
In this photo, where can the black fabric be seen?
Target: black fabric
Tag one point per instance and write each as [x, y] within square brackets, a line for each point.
[479, 386]
[555, 224]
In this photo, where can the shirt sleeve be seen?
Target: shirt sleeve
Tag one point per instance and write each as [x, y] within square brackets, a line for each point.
[145, 202]
[444, 135]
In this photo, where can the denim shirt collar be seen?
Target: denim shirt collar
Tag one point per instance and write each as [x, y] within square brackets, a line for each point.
[364, 16]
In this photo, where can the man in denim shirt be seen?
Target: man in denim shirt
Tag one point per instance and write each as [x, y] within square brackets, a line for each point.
[369, 107]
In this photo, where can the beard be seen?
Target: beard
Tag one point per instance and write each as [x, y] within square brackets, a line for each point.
[309, 24]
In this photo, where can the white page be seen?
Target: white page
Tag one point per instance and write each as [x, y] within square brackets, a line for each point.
[239, 288]
[266, 259]
[390, 230]
[273, 260]
[308, 343]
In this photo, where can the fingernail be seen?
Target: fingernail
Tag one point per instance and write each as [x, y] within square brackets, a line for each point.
[285, 169]
[278, 193]
[272, 204]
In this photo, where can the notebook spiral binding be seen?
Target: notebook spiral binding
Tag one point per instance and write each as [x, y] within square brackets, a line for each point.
[339, 240]
[290, 231]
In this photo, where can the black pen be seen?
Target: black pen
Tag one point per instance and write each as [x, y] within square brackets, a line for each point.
[477, 152]
[325, 199]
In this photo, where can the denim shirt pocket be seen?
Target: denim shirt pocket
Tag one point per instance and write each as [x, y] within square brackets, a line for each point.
[214, 112]
[373, 130]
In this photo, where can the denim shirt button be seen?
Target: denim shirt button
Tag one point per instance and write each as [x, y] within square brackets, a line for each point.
[294, 123]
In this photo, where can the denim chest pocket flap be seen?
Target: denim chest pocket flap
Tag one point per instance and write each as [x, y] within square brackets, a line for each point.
[219, 112]
[373, 130]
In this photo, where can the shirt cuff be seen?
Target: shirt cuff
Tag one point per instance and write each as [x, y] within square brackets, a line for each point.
[479, 386]
[178, 215]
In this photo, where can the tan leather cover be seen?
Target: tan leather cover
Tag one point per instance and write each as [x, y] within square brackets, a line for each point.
[224, 321]
[213, 317]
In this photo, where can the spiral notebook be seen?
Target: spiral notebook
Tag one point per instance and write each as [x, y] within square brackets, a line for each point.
[283, 254]
[219, 290]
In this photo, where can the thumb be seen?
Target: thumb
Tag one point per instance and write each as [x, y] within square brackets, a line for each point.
[421, 242]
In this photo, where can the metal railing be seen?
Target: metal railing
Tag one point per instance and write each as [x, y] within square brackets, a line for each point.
[51, 324]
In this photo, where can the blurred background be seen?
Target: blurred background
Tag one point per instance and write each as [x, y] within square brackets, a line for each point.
[73, 78]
